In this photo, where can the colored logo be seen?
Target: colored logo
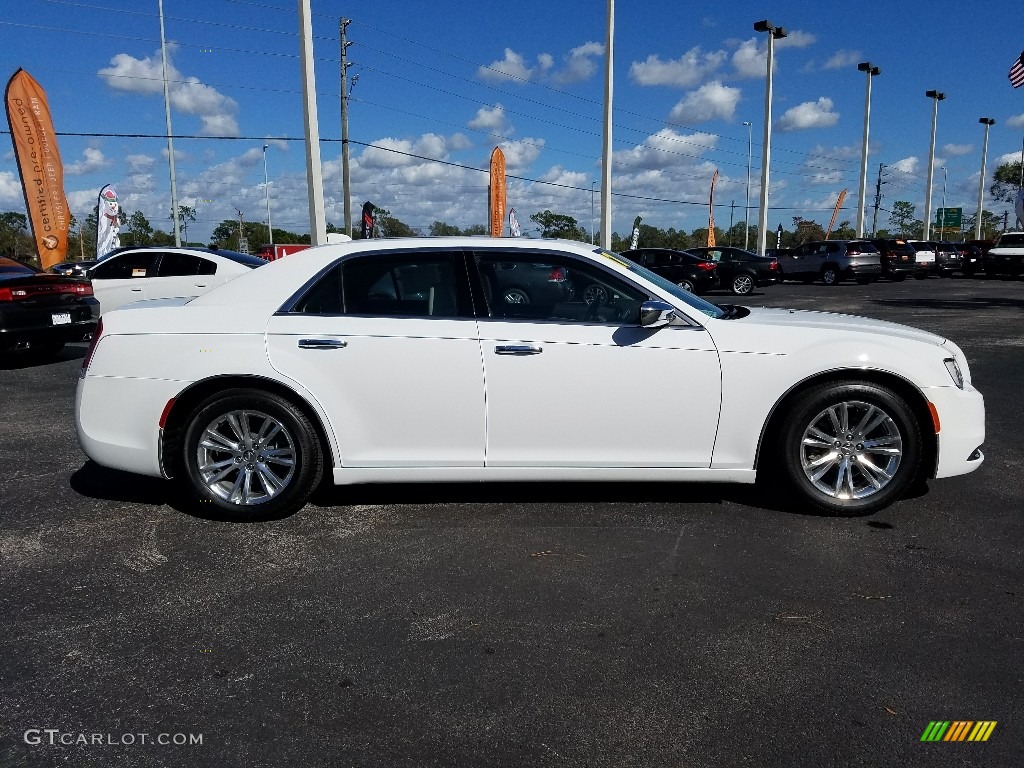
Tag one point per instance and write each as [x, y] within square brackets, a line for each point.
[958, 730]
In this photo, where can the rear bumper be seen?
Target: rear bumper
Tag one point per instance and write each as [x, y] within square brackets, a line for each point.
[33, 325]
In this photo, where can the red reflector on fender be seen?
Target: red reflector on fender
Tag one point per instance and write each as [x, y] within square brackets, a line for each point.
[166, 413]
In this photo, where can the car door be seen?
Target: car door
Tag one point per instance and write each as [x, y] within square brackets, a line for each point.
[387, 344]
[574, 384]
[182, 274]
[123, 278]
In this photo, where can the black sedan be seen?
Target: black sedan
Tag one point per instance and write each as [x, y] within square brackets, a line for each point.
[41, 312]
[685, 269]
[741, 271]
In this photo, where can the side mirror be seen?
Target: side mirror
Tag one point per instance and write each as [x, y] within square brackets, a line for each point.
[655, 314]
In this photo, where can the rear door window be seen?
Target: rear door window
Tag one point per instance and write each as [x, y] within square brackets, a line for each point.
[127, 266]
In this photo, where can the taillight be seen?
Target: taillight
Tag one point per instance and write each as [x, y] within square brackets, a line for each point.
[773, 265]
[92, 348]
[707, 266]
[28, 291]
[557, 275]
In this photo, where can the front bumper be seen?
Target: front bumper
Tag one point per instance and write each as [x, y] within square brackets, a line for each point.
[961, 429]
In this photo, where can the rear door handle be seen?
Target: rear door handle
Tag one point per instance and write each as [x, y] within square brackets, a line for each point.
[322, 344]
[517, 349]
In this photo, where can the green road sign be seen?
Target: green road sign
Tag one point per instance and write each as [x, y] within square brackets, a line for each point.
[949, 217]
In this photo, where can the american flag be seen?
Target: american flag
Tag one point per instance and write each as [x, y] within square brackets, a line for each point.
[1017, 72]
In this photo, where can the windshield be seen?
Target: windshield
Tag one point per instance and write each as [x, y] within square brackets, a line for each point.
[690, 299]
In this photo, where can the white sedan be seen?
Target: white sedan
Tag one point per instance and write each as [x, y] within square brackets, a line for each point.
[155, 272]
[402, 361]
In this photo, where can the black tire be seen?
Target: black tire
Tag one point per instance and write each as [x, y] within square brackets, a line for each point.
[296, 437]
[687, 285]
[515, 296]
[830, 275]
[743, 284]
[866, 403]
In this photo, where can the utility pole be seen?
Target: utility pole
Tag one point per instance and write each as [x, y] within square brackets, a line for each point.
[345, 64]
[243, 244]
[732, 210]
[878, 201]
[1006, 220]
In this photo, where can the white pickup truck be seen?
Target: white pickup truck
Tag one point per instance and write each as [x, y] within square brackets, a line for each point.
[1006, 257]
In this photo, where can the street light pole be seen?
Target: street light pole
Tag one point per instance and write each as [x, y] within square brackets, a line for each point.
[988, 123]
[775, 33]
[865, 66]
[942, 213]
[266, 189]
[592, 184]
[746, 207]
[936, 97]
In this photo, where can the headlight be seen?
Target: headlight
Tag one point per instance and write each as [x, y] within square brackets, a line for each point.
[954, 371]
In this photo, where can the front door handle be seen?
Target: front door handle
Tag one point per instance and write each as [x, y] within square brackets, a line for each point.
[322, 344]
[517, 349]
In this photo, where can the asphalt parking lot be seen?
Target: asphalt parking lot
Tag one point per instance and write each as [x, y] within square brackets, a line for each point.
[509, 625]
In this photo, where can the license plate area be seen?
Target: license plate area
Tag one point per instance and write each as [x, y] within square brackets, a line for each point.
[61, 318]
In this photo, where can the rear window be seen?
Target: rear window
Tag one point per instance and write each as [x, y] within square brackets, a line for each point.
[245, 259]
[12, 268]
[855, 248]
[1015, 240]
[922, 246]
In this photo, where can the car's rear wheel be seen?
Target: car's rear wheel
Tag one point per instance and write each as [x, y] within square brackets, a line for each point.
[595, 294]
[251, 454]
[829, 275]
[687, 285]
[850, 448]
[742, 284]
[516, 296]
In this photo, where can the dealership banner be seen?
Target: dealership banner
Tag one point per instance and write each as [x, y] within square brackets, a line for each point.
[636, 234]
[514, 230]
[711, 212]
[42, 173]
[108, 221]
[368, 220]
[496, 193]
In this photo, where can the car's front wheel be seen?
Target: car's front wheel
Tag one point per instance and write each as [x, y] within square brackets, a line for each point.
[251, 454]
[850, 448]
[687, 285]
[742, 284]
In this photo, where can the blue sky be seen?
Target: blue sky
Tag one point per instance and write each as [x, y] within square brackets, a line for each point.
[450, 81]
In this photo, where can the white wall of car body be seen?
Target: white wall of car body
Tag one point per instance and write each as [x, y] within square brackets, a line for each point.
[680, 405]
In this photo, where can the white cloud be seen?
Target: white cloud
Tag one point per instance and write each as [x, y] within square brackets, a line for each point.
[512, 67]
[955, 150]
[843, 58]
[1017, 121]
[459, 141]
[10, 188]
[138, 163]
[684, 72]
[810, 114]
[579, 64]
[906, 165]
[520, 154]
[92, 160]
[1009, 157]
[396, 153]
[665, 149]
[217, 112]
[825, 177]
[712, 101]
[491, 119]
[751, 57]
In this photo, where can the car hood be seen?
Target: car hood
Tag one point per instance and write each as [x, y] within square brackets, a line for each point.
[831, 321]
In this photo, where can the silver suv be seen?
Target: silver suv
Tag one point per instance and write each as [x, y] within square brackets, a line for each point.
[832, 261]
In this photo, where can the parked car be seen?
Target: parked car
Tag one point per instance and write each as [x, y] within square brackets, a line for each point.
[40, 312]
[926, 259]
[135, 274]
[530, 283]
[1006, 257]
[948, 259]
[247, 394]
[832, 261]
[971, 259]
[689, 271]
[741, 271]
[899, 259]
[72, 268]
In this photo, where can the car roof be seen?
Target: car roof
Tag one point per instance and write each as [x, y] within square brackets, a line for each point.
[239, 258]
[279, 279]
